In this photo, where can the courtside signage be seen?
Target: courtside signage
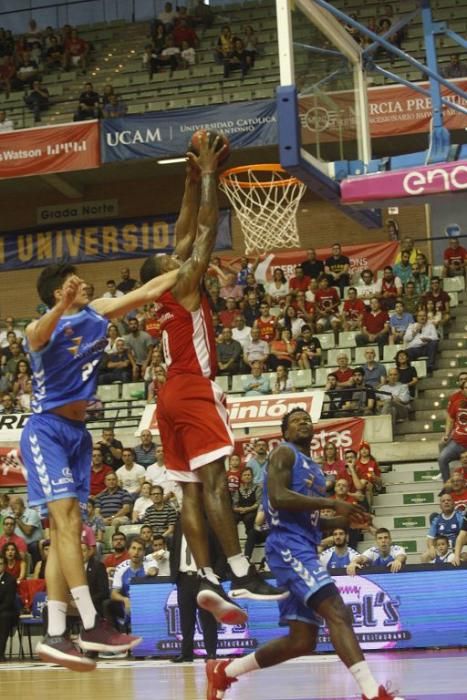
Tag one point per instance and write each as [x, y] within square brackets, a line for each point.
[255, 411]
[427, 180]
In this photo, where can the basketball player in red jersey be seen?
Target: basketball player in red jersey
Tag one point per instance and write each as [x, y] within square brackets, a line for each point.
[191, 410]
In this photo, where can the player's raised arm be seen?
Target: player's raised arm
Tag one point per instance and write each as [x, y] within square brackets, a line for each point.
[143, 295]
[187, 222]
[39, 332]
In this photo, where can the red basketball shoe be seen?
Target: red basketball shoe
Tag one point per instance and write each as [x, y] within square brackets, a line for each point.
[383, 694]
[61, 650]
[218, 681]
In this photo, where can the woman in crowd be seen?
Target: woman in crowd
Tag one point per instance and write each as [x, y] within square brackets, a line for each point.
[39, 569]
[159, 378]
[21, 377]
[112, 335]
[282, 350]
[246, 500]
[291, 322]
[368, 472]
[407, 373]
[332, 466]
[14, 563]
[282, 384]
[142, 503]
[278, 288]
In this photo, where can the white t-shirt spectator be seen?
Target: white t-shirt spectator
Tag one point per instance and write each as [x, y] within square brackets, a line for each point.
[189, 55]
[161, 563]
[130, 479]
[141, 505]
[242, 336]
[377, 559]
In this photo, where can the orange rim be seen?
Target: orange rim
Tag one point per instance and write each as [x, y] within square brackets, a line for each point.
[226, 176]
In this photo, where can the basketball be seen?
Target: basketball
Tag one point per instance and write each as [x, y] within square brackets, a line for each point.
[193, 146]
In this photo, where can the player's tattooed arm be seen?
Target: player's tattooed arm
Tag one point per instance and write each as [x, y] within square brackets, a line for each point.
[149, 292]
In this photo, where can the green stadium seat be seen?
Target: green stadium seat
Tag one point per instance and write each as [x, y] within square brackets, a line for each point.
[109, 392]
[327, 340]
[390, 351]
[300, 378]
[321, 374]
[133, 390]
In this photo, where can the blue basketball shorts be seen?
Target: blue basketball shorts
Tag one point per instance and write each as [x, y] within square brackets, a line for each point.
[57, 454]
[296, 567]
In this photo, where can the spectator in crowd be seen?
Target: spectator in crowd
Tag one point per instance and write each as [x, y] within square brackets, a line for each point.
[97, 525]
[156, 473]
[187, 55]
[433, 315]
[99, 471]
[410, 298]
[246, 499]
[159, 554]
[327, 306]
[455, 68]
[399, 322]
[229, 354]
[119, 365]
[344, 373]
[407, 373]
[228, 316]
[21, 377]
[353, 311]
[145, 451]
[27, 71]
[443, 552]
[159, 379]
[340, 554]
[384, 553]
[257, 383]
[457, 489]
[142, 503]
[446, 524]
[256, 350]
[312, 267]
[454, 257]
[250, 42]
[170, 54]
[337, 268]
[160, 517]
[360, 400]
[367, 287]
[119, 553]
[403, 269]
[394, 399]
[308, 349]
[332, 466]
[112, 291]
[234, 473]
[15, 564]
[55, 55]
[9, 524]
[231, 288]
[282, 350]
[282, 383]
[146, 535]
[375, 326]
[336, 397]
[420, 276]
[368, 473]
[8, 614]
[258, 463]
[131, 475]
[278, 288]
[112, 448]
[28, 525]
[374, 372]
[440, 298]
[37, 100]
[300, 282]
[39, 569]
[461, 541]
[184, 33]
[76, 52]
[291, 321]
[127, 283]
[253, 286]
[257, 534]
[224, 46]
[5, 124]
[389, 288]
[114, 503]
[139, 342]
[88, 105]
[7, 77]
[167, 17]
[119, 607]
[421, 340]
[114, 108]
[203, 16]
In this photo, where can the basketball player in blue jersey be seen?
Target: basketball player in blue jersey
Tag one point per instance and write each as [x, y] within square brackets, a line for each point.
[339, 555]
[294, 494]
[65, 347]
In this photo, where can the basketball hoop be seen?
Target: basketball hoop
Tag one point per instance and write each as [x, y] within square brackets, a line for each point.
[265, 198]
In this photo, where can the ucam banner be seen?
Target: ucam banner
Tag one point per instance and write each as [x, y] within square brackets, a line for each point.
[374, 256]
[423, 181]
[166, 134]
[50, 149]
[98, 241]
[255, 411]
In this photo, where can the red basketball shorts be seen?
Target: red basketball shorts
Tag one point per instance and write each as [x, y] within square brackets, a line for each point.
[193, 424]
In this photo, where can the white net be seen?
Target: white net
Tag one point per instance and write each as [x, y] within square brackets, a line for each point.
[266, 209]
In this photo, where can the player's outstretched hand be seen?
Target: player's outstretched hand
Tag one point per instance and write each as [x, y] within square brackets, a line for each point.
[70, 290]
[360, 523]
[353, 567]
[209, 154]
[350, 510]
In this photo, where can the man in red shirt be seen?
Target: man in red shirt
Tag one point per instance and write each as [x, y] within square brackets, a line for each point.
[457, 395]
[440, 299]
[119, 554]
[327, 302]
[229, 315]
[183, 32]
[99, 471]
[455, 258]
[458, 491]
[9, 535]
[344, 373]
[266, 324]
[76, 51]
[353, 311]
[462, 470]
[300, 282]
[375, 326]
[455, 434]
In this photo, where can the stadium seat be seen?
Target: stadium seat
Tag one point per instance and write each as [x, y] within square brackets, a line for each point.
[133, 390]
[390, 351]
[223, 381]
[238, 382]
[109, 392]
[321, 374]
[347, 339]
[420, 366]
[454, 297]
[327, 340]
[300, 378]
[454, 284]
[132, 529]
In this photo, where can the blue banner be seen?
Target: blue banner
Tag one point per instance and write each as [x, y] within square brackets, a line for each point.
[167, 134]
[98, 241]
[389, 611]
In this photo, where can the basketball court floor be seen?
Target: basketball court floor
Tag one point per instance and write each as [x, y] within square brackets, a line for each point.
[420, 675]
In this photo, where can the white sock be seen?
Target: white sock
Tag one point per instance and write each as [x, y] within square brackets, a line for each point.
[244, 664]
[208, 573]
[86, 609]
[56, 611]
[239, 564]
[364, 677]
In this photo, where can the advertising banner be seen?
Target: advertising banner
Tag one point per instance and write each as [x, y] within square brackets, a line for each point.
[98, 241]
[345, 433]
[363, 255]
[426, 180]
[406, 611]
[166, 134]
[255, 411]
[50, 149]
[394, 110]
